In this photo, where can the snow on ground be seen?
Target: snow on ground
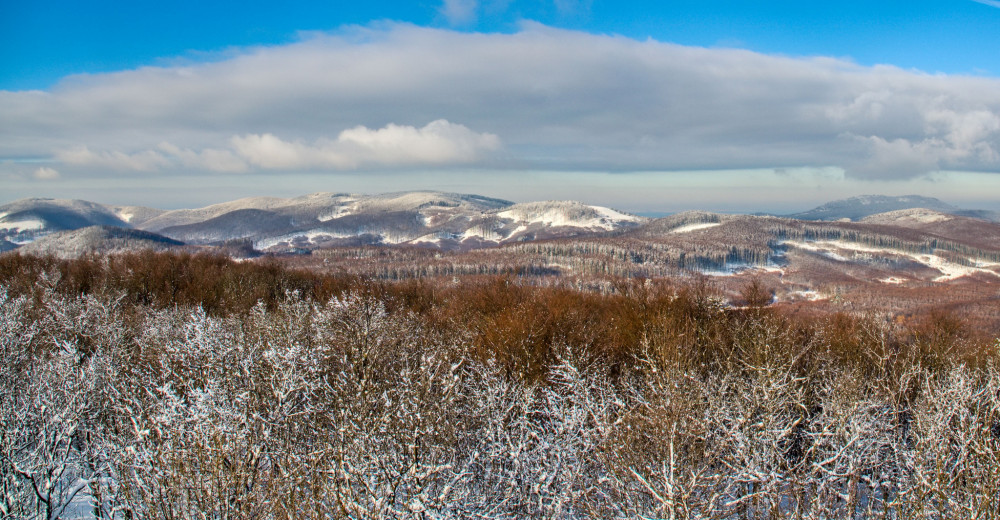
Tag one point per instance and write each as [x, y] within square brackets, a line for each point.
[431, 238]
[337, 212]
[808, 294]
[929, 218]
[561, 266]
[921, 215]
[517, 230]
[557, 214]
[822, 249]
[610, 216]
[309, 235]
[694, 227]
[411, 200]
[479, 232]
[552, 217]
[313, 234]
[892, 280]
[22, 225]
[949, 270]
[389, 237]
[734, 268]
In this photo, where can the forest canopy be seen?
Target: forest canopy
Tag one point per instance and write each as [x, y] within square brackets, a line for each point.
[159, 385]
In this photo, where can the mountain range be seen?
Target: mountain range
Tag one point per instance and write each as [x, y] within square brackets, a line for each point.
[432, 219]
[444, 221]
[869, 253]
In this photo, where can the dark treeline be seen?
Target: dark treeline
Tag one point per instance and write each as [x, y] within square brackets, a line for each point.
[183, 386]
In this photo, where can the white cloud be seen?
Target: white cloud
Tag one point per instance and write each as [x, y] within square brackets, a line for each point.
[210, 159]
[438, 143]
[992, 3]
[144, 161]
[46, 174]
[270, 152]
[558, 99]
[459, 12]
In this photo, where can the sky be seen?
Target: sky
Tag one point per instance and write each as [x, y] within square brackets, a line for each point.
[649, 107]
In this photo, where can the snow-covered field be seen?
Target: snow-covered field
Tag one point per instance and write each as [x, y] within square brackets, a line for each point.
[949, 270]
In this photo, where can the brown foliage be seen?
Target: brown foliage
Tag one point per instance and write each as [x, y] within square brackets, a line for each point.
[216, 283]
[522, 327]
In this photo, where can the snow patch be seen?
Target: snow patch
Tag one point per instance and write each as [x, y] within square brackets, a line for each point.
[809, 295]
[310, 236]
[892, 280]
[414, 200]
[433, 238]
[928, 218]
[734, 268]
[949, 270]
[518, 229]
[337, 212]
[23, 225]
[695, 227]
[822, 248]
[394, 238]
[480, 233]
[613, 216]
[568, 215]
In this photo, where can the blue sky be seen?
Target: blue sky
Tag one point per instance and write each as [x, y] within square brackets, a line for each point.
[45, 41]
[646, 106]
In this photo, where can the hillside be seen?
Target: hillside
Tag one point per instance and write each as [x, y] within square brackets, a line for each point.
[98, 240]
[24, 220]
[424, 218]
[856, 208]
[901, 263]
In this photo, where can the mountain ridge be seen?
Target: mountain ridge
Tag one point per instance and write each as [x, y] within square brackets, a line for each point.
[447, 221]
[861, 206]
[423, 218]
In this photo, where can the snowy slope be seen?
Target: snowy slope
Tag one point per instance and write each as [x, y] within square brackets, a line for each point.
[856, 208]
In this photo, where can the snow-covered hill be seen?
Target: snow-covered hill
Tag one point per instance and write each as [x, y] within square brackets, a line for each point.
[26, 220]
[856, 208]
[97, 239]
[422, 218]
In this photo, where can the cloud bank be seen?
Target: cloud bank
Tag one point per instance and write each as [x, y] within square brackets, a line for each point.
[360, 98]
[437, 143]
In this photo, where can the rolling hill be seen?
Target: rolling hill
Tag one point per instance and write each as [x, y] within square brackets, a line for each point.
[428, 219]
